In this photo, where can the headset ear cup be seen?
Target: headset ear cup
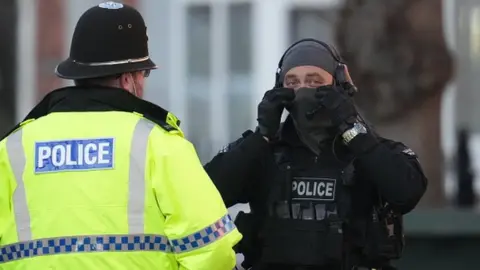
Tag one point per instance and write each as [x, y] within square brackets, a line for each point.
[340, 77]
[342, 80]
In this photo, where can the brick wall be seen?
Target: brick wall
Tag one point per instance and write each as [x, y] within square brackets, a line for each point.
[51, 45]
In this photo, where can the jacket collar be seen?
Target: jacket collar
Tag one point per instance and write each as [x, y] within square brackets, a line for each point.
[99, 98]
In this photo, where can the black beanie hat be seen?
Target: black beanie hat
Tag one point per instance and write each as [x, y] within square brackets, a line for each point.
[308, 53]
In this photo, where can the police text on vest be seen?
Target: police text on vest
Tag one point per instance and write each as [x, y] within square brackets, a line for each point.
[313, 189]
[74, 155]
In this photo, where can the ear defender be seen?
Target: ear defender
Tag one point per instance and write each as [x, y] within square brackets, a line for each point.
[277, 76]
[341, 80]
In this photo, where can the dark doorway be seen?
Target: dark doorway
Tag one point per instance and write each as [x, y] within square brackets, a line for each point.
[8, 34]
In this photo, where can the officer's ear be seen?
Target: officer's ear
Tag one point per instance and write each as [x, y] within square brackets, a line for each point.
[127, 81]
[123, 80]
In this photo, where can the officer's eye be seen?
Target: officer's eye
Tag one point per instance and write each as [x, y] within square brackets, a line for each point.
[291, 83]
[316, 83]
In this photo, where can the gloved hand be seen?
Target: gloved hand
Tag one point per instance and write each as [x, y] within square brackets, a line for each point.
[339, 106]
[270, 110]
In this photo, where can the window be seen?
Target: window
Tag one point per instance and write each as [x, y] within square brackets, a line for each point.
[240, 69]
[198, 79]
[475, 33]
[157, 17]
[468, 65]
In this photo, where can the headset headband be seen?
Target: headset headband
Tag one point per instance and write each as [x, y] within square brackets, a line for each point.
[328, 47]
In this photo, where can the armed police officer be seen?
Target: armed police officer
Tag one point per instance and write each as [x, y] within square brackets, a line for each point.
[97, 178]
[325, 191]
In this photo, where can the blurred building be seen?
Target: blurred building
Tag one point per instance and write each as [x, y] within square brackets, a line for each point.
[217, 57]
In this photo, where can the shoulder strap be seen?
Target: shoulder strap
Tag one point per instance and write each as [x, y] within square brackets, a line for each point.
[17, 126]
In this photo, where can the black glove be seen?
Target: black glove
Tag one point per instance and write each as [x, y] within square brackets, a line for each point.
[270, 110]
[339, 106]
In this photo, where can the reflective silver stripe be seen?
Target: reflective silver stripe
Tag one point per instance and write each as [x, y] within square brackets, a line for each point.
[205, 236]
[83, 243]
[111, 63]
[16, 155]
[137, 184]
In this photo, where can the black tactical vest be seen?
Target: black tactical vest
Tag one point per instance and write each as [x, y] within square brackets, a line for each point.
[308, 209]
[307, 221]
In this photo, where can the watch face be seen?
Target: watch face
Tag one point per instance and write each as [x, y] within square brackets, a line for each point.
[360, 128]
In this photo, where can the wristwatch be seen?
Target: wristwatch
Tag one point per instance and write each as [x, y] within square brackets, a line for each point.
[358, 128]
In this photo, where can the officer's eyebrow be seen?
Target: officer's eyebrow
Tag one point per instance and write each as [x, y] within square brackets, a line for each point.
[314, 74]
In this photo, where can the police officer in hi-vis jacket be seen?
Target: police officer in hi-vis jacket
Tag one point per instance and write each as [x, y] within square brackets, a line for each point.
[97, 178]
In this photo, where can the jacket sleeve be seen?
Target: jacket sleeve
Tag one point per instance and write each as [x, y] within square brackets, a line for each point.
[237, 167]
[393, 168]
[192, 207]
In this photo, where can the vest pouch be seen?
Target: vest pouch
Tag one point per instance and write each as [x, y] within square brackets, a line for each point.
[396, 237]
[335, 239]
[301, 242]
[385, 239]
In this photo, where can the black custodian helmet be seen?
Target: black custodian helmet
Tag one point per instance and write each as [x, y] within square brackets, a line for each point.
[109, 39]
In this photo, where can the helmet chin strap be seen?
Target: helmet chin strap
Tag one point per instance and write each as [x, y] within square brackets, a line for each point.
[134, 87]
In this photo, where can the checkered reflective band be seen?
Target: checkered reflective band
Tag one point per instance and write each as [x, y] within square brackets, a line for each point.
[205, 236]
[76, 244]
[119, 243]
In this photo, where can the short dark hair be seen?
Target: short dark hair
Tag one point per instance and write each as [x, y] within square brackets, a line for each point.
[101, 81]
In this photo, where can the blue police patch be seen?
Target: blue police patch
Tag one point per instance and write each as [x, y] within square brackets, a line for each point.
[74, 155]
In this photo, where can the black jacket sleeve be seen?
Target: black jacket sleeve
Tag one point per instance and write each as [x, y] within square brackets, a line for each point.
[238, 166]
[393, 169]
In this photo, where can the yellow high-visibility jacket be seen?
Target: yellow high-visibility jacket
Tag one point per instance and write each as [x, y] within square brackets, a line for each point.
[108, 190]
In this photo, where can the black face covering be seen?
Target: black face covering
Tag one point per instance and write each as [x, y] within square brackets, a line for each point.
[311, 121]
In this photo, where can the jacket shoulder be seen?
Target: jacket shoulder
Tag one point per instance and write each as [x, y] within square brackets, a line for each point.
[232, 145]
[397, 147]
[167, 140]
[165, 126]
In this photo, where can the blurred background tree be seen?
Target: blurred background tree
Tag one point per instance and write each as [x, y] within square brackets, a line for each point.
[398, 58]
